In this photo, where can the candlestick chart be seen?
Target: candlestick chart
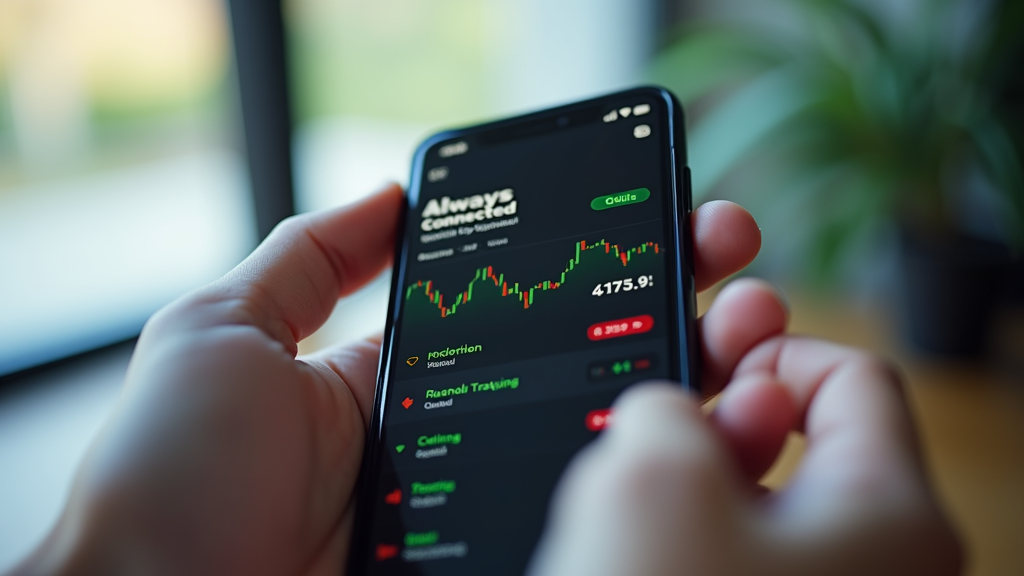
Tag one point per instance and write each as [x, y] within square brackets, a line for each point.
[590, 259]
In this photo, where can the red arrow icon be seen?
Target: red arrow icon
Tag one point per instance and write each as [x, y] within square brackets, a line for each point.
[385, 551]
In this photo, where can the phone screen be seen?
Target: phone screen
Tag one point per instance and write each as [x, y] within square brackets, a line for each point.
[541, 274]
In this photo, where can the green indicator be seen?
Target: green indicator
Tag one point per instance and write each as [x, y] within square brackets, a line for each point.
[399, 448]
[421, 538]
[624, 367]
[620, 199]
[420, 488]
[439, 439]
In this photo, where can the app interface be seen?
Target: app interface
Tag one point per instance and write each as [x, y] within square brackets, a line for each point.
[536, 290]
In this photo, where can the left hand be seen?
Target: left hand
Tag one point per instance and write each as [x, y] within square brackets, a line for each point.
[226, 453]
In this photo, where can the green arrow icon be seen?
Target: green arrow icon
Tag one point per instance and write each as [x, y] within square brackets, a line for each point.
[400, 447]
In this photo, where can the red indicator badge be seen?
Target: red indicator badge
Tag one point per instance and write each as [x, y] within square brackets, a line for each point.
[598, 419]
[385, 551]
[407, 402]
[394, 497]
[623, 327]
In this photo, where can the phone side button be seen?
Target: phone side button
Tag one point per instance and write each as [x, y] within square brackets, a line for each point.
[688, 192]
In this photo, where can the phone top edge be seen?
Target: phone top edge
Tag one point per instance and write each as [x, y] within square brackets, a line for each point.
[672, 104]
[648, 89]
[676, 121]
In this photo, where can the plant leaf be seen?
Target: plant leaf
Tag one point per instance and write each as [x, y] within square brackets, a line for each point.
[999, 157]
[742, 122]
[707, 59]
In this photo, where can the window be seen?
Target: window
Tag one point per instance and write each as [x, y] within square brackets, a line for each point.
[121, 185]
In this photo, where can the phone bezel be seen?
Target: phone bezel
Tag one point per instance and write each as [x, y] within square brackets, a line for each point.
[683, 344]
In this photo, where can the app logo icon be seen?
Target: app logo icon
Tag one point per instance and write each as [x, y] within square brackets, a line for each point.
[385, 551]
[394, 497]
[412, 360]
[399, 448]
[407, 402]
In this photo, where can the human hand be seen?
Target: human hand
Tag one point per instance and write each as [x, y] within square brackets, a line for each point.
[668, 490]
[226, 454]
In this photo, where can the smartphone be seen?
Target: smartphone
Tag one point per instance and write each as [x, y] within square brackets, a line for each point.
[544, 266]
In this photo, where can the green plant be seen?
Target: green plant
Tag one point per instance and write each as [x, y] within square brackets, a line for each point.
[869, 115]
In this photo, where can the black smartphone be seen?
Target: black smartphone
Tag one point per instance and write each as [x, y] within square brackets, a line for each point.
[544, 266]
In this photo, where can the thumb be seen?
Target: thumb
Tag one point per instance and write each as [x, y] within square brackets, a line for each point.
[656, 486]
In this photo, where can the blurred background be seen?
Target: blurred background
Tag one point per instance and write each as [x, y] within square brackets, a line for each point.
[147, 145]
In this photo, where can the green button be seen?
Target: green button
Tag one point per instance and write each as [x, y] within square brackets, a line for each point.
[620, 199]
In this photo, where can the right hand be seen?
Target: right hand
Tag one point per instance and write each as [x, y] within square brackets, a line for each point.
[668, 490]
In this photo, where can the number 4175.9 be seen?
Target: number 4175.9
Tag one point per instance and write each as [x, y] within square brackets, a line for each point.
[624, 285]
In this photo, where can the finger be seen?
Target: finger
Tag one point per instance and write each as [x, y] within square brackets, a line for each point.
[725, 239]
[289, 285]
[356, 366]
[862, 469]
[854, 413]
[755, 414]
[651, 419]
[745, 313]
[661, 478]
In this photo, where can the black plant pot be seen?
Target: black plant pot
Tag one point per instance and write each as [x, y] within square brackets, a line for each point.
[950, 289]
